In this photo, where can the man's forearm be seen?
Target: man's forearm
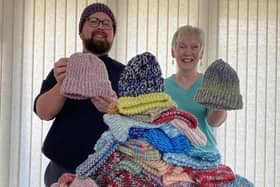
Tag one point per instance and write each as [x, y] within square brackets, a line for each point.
[50, 103]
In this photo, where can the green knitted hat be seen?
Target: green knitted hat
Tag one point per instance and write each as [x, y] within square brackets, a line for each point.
[220, 87]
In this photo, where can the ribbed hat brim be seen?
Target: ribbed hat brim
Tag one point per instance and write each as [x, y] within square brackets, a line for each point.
[77, 89]
[213, 99]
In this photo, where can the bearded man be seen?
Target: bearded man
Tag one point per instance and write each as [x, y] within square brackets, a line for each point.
[77, 124]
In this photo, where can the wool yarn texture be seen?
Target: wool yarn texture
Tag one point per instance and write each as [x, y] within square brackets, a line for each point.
[211, 177]
[86, 77]
[220, 87]
[142, 75]
[93, 8]
[128, 105]
[87, 182]
[150, 142]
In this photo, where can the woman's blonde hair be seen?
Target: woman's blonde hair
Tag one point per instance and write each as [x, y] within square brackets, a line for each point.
[187, 30]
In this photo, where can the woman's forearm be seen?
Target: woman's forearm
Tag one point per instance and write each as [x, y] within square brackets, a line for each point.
[216, 118]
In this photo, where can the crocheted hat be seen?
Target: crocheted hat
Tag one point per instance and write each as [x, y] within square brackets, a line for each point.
[93, 8]
[142, 75]
[220, 87]
[86, 76]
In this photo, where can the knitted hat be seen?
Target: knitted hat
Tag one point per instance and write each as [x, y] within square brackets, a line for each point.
[119, 177]
[143, 103]
[87, 182]
[165, 144]
[119, 125]
[96, 160]
[220, 87]
[142, 75]
[155, 167]
[173, 177]
[86, 76]
[174, 113]
[195, 135]
[182, 159]
[218, 176]
[93, 8]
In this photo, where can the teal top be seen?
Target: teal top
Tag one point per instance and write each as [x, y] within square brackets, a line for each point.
[185, 99]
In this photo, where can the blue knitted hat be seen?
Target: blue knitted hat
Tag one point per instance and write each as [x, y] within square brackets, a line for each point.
[163, 143]
[142, 75]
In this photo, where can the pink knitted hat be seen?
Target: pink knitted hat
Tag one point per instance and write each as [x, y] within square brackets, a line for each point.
[86, 76]
[195, 135]
[87, 182]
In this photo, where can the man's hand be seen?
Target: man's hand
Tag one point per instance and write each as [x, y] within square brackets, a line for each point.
[66, 179]
[102, 102]
[60, 70]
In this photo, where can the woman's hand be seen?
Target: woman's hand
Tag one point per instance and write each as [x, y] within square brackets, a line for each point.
[216, 117]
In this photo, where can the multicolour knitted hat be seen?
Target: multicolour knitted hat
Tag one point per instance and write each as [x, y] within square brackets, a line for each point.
[86, 76]
[218, 176]
[220, 87]
[93, 8]
[175, 113]
[142, 75]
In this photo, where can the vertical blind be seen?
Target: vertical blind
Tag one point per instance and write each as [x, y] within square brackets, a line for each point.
[36, 33]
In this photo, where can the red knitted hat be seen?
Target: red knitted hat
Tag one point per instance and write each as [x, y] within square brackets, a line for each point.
[174, 113]
[86, 76]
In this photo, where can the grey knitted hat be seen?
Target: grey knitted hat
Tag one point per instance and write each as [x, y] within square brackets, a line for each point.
[220, 87]
[86, 76]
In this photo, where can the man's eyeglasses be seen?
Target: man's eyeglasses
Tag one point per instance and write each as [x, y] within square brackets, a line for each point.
[95, 22]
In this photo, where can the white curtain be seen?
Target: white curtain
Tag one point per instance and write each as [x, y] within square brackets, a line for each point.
[245, 33]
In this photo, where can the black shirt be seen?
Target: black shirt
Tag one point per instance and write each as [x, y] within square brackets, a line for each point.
[78, 125]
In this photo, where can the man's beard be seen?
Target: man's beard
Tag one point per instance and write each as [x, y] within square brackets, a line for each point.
[97, 47]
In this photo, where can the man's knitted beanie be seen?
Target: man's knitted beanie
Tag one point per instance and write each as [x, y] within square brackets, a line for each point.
[93, 8]
[142, 75]
[220, 87]
[86, 76]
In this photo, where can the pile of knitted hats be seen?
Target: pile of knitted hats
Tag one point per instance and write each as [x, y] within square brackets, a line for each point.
[150, 142]
[86, 76]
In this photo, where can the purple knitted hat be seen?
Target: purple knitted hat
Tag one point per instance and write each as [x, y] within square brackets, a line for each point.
[93, 8]
[86, 76]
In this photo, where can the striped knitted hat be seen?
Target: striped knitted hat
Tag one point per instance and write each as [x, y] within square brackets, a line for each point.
[93, 8]
[142, 75]
[220, 87]
[175, 113]
[86, 76]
